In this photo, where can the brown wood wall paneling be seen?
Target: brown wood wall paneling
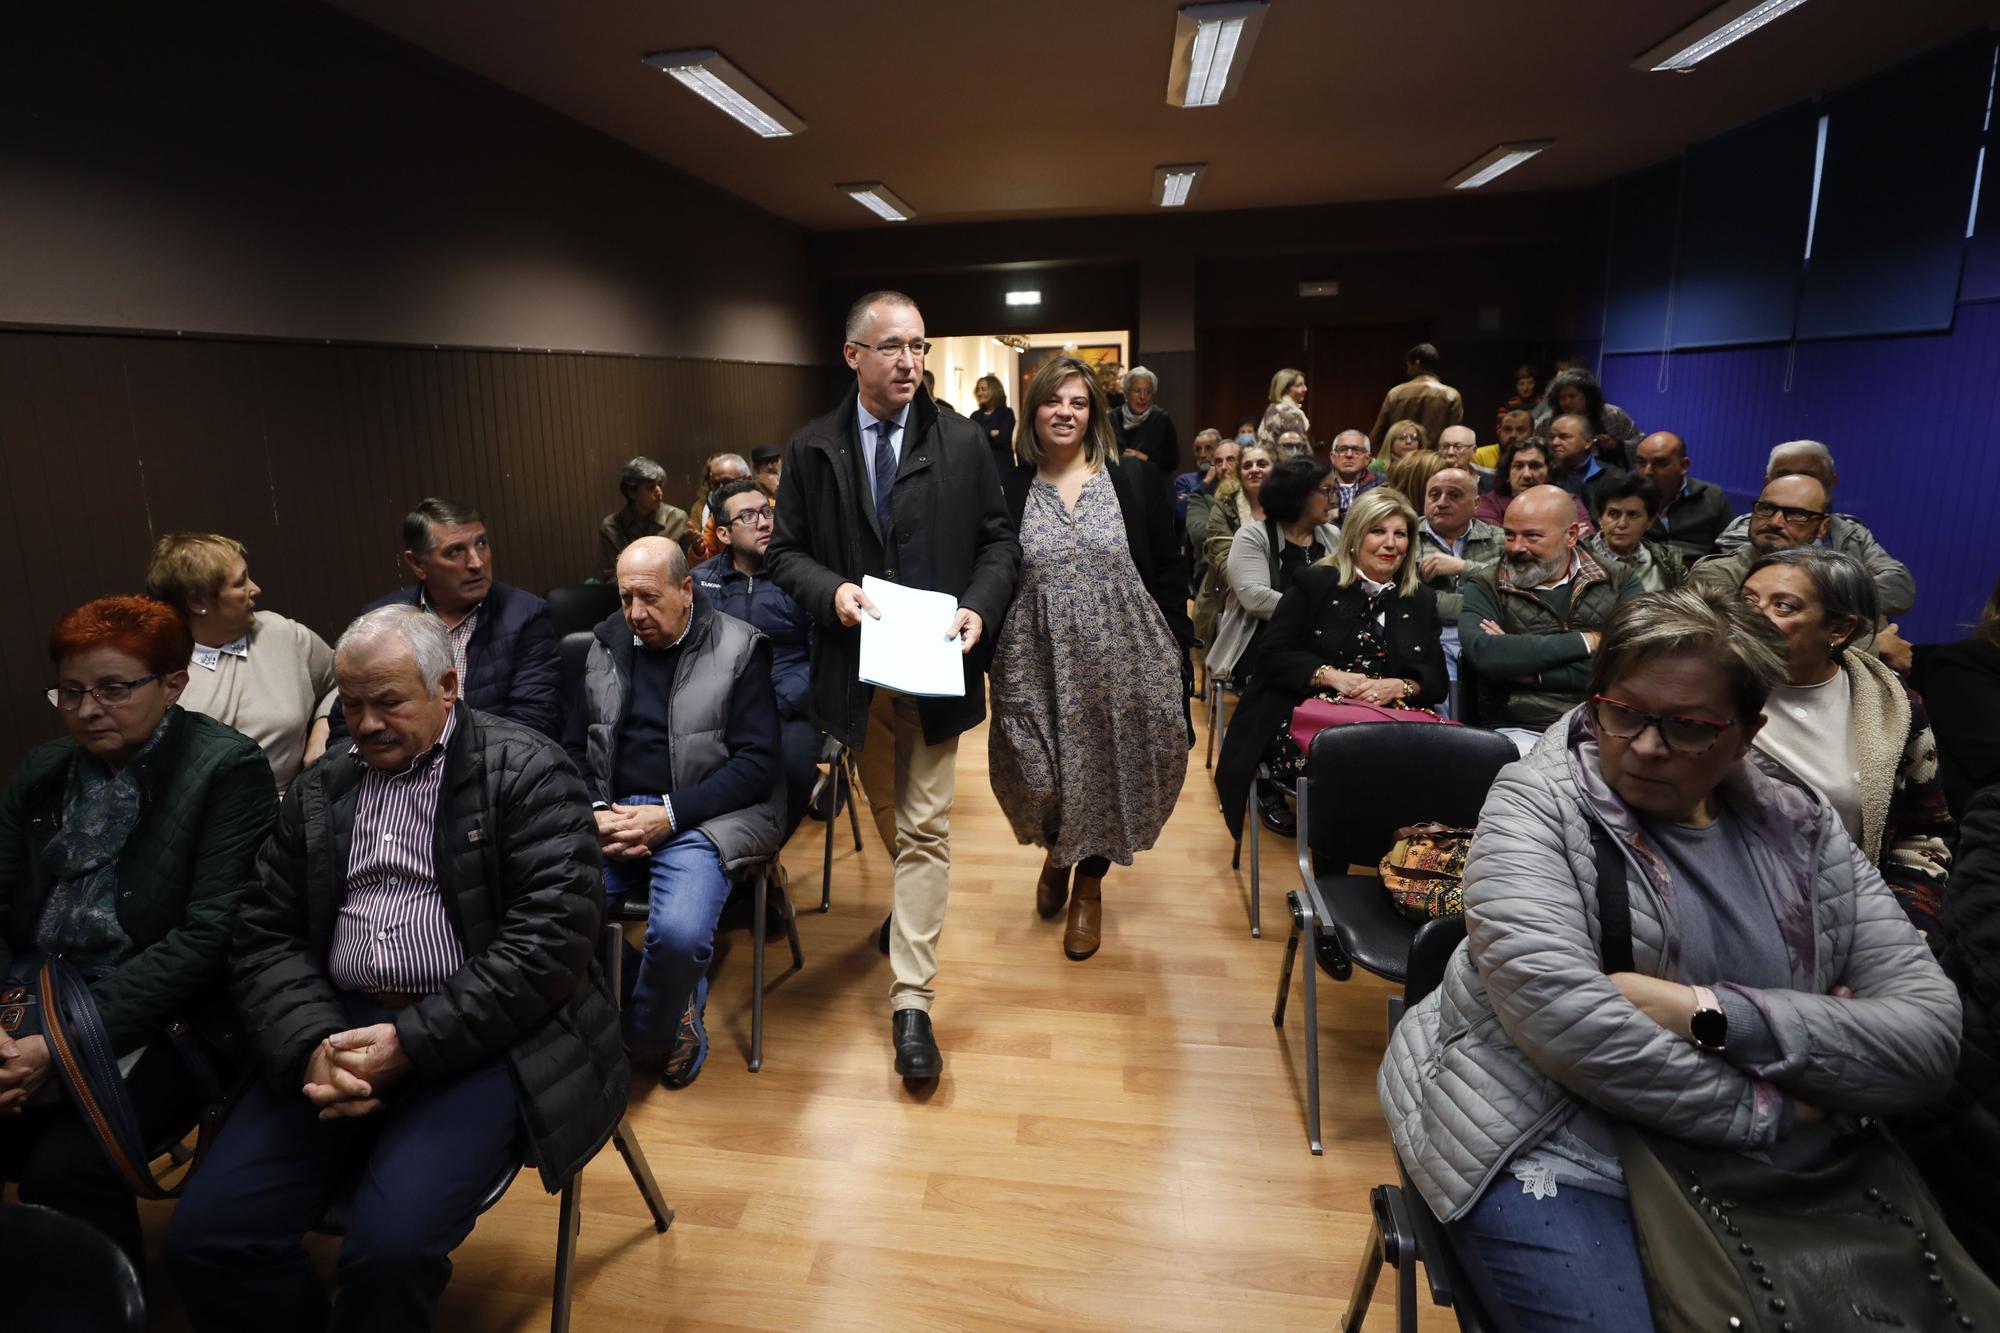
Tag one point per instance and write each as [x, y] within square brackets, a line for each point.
[311, 454]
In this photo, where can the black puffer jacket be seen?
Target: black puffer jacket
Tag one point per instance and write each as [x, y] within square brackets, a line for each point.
[518, 863]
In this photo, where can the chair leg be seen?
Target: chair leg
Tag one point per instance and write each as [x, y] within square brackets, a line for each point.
[1214, 689]
[852, 781]
[569, 1223]
[642, 1174]
[832, 811]
[1252, 819]
[1312, 1055]
[757, 970]
[1291, 957]
[791, 921]
[1364, 1282]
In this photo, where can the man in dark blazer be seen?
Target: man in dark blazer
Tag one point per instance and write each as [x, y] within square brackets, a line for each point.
[886, 484]
[502, 640]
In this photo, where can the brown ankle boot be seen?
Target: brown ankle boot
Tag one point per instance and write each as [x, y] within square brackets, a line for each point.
[1086, 919]
[1051, 890]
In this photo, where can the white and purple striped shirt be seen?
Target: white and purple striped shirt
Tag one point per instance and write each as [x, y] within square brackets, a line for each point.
[393, 933]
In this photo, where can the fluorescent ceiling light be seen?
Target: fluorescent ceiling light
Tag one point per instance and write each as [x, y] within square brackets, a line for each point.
[1711, 32]
[878, 199]
[1211, 43]
[1024, 298]
[1503, 159]
[708, 74]
[1172, 185]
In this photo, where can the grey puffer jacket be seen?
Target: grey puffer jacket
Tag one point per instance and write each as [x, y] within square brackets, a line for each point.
[1526, 1029]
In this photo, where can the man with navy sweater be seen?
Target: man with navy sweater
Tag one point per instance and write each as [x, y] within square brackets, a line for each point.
[676, 734]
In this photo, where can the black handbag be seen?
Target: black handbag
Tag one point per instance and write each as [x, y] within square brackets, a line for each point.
[50, 998]
[1729, 1241]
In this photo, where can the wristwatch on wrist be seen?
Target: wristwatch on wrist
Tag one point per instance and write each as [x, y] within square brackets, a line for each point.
[1709, 1027]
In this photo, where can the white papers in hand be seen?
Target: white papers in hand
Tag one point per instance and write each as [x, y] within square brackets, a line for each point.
[910, 649]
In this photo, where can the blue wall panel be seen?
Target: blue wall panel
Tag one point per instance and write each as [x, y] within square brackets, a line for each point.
[1645, 210]
[1913, 422]
[1743, 233]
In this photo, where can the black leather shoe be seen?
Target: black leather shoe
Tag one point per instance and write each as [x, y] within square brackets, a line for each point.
[1276, 814]
[916, 1053]
[882, 935]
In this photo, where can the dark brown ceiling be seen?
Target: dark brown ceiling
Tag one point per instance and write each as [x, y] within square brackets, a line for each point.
[1040, 109]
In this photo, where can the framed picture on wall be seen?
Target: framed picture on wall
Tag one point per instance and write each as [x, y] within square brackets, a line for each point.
[1095, 355]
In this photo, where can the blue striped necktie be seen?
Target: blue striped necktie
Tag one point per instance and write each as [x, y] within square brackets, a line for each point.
[885, 475]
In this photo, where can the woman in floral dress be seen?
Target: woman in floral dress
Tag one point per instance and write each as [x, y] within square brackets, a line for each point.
[1089, 739]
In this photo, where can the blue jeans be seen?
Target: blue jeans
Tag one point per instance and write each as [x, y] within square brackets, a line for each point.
[685, 887]
[1568, 1262]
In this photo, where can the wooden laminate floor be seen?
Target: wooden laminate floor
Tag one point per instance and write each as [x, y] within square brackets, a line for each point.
[1115, 1144]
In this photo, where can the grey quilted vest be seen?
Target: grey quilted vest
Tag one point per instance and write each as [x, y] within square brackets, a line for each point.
[716, 653]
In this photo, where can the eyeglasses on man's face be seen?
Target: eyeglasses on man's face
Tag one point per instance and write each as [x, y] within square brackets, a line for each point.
[1793, 514]
[755, 516]
[110, 693]
[896, 351]
[1350, 448]
[1682, 735]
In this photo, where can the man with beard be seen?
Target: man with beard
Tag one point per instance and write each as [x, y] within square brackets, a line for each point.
[1527, 628]
[1518, 424]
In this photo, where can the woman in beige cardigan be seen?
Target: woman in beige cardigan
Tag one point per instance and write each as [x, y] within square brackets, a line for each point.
[268, 677]
[1236, 503]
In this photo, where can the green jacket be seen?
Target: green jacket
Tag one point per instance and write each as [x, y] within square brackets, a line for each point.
[1539, 668]
[207, 808]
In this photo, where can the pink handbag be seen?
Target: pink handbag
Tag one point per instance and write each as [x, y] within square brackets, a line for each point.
[1315, 715]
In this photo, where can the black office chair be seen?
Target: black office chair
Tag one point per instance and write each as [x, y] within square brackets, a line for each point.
[1362, 783]
[581, 606]
[68, 1275]
[762, 879]
[570, 1218]
[1404, 1230]
[572, 653]
[840, 783]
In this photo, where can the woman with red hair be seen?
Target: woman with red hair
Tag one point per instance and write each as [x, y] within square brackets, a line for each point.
[124, 846]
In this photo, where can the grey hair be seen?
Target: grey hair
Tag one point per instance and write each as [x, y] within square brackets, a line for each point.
[737, 459]
[857, 314]
[1360, 435]
[1813, 447]
[1713, 625]
[1209, 433]
[419, 631]
[1136, 371]
[641, 471]
[1840, 581]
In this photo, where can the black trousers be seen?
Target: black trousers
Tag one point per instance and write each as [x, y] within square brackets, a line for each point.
[798, 751]
[50, 1152]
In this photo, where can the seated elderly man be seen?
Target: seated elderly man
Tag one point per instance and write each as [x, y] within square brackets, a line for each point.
[1894, 584]
[1626, 509]
[736, 584]
[1457, 445]
[703, 541]
[1352, 476]
[1451, 543]
[1793, 509]
[413, 963]
[646, 513]
[1529, 627]
[1690, 514]
[767, 463]
[1186, 482]
[677, 736]
[503, 644]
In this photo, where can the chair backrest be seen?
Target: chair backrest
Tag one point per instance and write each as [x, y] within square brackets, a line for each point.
[1432, 948]
[71, 1276]
[581, 606]
[1372, 778]
[572, 653]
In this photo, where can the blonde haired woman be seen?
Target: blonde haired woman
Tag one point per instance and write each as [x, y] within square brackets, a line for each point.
[1089, 739]
[1402, 439]
[1359, 625]
[268, 677]
[995, 420]
[1287, 409]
